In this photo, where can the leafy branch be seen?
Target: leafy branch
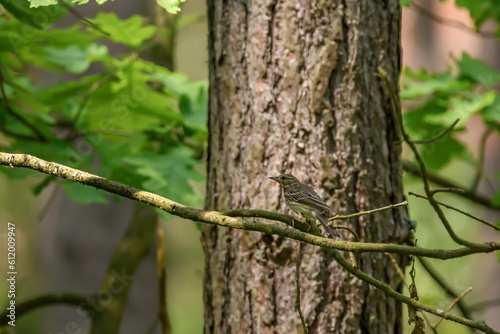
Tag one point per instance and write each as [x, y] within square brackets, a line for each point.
[227, 219]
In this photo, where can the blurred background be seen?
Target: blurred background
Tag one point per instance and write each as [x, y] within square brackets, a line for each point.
[63, 246]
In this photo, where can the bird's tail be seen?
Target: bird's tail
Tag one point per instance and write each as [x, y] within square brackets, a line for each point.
[324, 221]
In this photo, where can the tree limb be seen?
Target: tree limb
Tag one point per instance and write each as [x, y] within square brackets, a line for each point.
[436, 179]
[72, 299]
[227, 219]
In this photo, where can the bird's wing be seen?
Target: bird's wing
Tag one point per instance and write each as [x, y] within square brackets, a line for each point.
[305, 195]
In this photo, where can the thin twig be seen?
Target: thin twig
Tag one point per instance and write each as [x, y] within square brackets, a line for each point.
[340, 227]
[459, 297]
[452, 23]
[363, 213]
[441, 281]
[297, 281]
[458, 210]
[162, 281]
[403, 279]
[89, 23]
[442, 133]
[436, 179]
[448, 190]
[87, 97]
[398, 269]
[38, 134]
[486, 304]
[480, 169]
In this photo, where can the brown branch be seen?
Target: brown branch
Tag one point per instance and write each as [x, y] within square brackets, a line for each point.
[128, 254]
[448, 190]
[485, 304]
[72, 299]
[456, 300]
[297, 282]
[216, 218]
[480, 170]
[162, 280]
[439, 135]
[357, 214]
[446, 287]
[407, 300]
[79, 16]
[452, 23]
[458, 210]
[38, 135]
[436, 179]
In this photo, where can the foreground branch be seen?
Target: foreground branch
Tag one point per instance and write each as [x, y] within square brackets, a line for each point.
[217, 218]
[227, 219]
[72, 299]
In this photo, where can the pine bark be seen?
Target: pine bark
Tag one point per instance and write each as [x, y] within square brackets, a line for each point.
[293, 88]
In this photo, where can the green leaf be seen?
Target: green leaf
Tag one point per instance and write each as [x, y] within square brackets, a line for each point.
[83, 194]
[171, 6]
[441, 152]
[193, 106]
[420, 83]
[405, 3]
[463, 108]
[477, 71]
[481, 11]
[43, 184]
[491, 114]
[169, 174]
[496, 199]
[73, 58]
[130, 32]
[34, 17]
[38, 3]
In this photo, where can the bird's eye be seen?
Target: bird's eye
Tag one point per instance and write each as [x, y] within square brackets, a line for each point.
[283, 178]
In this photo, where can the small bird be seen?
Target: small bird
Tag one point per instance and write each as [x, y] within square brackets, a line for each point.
[303, 199]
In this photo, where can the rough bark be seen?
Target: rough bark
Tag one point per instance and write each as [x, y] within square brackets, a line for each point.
[293, 88]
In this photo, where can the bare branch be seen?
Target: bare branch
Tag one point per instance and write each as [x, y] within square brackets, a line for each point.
[480, 170]
[442, 133]
[446, 287]
[38, 134]
[470, 195]
[357, 214]
[297, 281]
[451, 23]
[459, 297]
[458, 210]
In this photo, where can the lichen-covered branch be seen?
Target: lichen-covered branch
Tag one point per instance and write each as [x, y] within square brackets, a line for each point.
[227, 218]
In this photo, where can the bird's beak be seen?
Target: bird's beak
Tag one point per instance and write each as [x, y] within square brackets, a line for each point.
[274, 178]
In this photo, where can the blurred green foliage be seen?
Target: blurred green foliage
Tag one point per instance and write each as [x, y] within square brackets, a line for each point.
[122, 117]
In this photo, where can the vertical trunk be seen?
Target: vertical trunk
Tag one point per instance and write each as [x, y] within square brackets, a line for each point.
[293, 88]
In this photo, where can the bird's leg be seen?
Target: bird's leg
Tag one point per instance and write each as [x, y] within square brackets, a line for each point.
[310, 222]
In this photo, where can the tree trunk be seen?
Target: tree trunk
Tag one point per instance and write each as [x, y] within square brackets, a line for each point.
[293, 88]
